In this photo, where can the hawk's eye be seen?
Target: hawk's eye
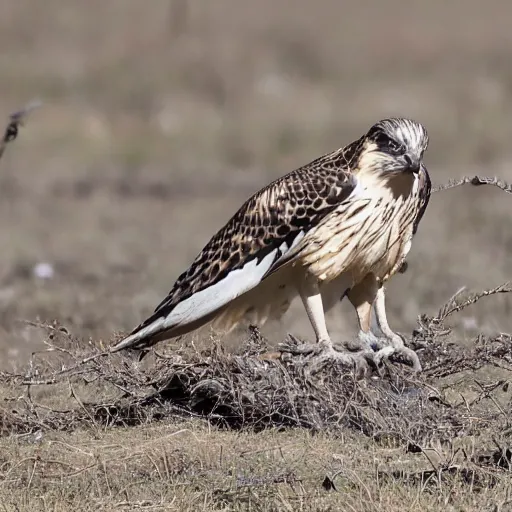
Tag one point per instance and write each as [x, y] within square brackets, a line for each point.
[395, 148]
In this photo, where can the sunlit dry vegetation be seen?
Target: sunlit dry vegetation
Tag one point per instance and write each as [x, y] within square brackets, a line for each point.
[159, 119]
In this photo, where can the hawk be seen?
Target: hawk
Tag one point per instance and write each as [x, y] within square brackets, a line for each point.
[337, 227]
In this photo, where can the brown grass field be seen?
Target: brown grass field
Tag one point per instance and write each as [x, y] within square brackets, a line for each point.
[159, 119]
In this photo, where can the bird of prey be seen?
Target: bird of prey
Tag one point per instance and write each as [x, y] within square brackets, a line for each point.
[337, 227]
[15, 121]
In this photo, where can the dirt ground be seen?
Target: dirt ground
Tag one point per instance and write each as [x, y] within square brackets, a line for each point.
[159, 120]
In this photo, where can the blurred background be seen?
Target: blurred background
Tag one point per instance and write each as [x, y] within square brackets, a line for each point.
[160, 118]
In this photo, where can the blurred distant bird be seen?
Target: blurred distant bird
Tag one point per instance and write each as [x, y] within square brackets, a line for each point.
[15, 121]
[338, 227]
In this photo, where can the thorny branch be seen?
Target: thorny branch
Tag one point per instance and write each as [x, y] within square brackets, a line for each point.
[434, 327]
[476, 181]
[453, 306]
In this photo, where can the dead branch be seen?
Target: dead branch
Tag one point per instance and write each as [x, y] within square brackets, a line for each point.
[452, 306]
[476, 181]
[249, 391]
[432, 328]
[76, 369]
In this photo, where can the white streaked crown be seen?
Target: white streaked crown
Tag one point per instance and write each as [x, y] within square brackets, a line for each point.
[410, 133]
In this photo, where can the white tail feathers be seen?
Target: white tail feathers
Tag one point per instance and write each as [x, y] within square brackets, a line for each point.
[201, 306]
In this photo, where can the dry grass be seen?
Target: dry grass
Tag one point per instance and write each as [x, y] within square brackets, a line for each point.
[155, 115]
[217, 431]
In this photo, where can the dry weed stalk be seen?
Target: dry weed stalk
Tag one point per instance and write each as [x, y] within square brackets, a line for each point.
[434, 327]
[453, 306]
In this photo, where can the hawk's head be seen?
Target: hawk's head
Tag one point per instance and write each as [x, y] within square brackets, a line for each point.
[395, 146]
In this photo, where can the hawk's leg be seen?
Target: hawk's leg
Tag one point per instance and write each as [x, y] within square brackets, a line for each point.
[368, 297]
[381, 330]
[324, 350]
[362, 296]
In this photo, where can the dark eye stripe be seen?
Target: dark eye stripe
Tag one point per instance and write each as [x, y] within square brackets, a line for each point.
[389, 145]
[394, 146]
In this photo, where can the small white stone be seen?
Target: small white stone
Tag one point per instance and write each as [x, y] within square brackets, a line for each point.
[44, 271]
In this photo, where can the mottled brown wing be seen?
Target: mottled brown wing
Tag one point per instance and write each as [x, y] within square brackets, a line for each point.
[275, 215]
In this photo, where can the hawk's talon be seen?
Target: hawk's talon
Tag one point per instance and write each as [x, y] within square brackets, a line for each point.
[371, 341]
[399, 350]
[320, 354]
[304, 349]
[296, 347]
[410, 356]
[358, 361]
[372, 352]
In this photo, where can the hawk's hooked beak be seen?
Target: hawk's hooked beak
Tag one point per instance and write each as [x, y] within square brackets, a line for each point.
[411, 164]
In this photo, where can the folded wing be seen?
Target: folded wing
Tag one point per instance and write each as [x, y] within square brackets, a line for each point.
[257, 240]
